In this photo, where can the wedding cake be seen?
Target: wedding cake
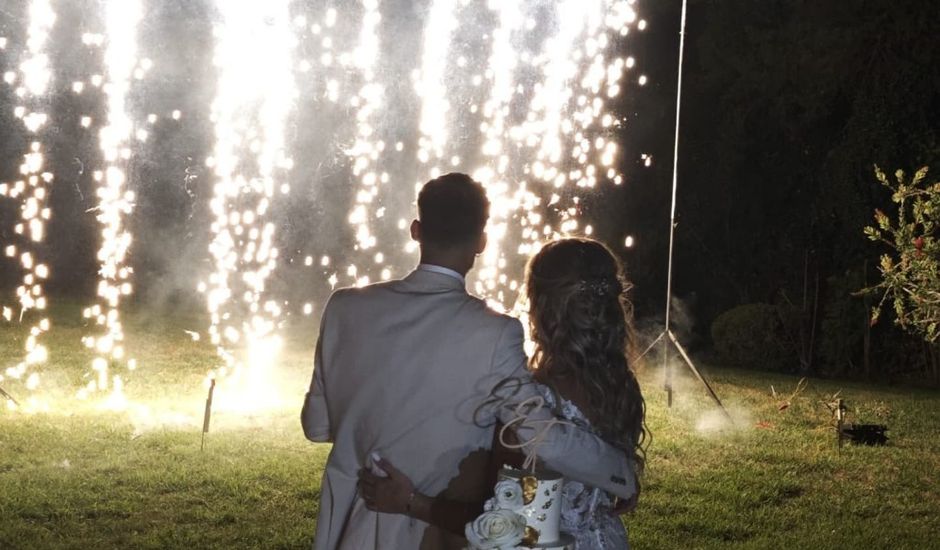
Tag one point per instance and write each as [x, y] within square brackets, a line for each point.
[525, 512]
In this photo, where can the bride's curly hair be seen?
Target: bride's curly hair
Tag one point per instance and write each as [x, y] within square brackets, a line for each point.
[581, 323]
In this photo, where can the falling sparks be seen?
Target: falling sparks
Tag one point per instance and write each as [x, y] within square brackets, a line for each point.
[539, 101]
[366, 149]
[115, 200]
[516, 93]
[32, 190]
[430, 85]
[552, 128]
[254, 96]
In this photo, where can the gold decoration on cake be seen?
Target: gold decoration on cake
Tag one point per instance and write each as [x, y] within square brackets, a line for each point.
[531, 536]
[530, 486]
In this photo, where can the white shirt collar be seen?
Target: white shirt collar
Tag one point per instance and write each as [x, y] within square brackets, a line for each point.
[443, 271]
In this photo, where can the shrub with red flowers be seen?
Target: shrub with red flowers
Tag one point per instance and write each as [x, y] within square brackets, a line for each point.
[910, 270]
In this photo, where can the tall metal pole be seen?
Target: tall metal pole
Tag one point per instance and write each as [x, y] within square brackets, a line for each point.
[672, 216]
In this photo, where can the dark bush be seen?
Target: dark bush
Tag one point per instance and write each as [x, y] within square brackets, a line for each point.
[842, 328]
[757, 336]
[894, 355]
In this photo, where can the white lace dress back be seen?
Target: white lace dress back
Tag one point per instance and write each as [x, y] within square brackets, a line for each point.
[586, 511]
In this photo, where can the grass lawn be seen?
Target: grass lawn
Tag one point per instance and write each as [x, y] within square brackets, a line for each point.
[81, 477]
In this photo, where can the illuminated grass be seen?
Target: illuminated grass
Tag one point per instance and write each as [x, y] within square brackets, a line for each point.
[81, 478]
[784, 484]
[96, 479]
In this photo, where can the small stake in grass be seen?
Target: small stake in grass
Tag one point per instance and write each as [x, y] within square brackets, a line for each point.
[836, 406]
[207, 415]
[8, 396]
[840, 420]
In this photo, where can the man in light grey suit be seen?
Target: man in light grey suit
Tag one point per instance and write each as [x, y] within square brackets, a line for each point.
[402, 369]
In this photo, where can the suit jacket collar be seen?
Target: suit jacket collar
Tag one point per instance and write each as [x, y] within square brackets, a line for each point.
[421, 280]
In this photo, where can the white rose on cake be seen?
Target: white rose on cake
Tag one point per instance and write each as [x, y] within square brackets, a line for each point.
[508, 495]
[496, 530]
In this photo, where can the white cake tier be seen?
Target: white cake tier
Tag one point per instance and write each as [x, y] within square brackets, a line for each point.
[542, 511]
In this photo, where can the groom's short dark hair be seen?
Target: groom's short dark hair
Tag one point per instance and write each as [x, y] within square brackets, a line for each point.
[453, 210]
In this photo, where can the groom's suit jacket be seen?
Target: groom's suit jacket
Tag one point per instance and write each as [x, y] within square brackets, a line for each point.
[401, 368]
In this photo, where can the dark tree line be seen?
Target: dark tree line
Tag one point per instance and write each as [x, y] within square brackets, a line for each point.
[787, 106]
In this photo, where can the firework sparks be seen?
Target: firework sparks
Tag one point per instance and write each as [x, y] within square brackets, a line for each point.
[517, 93]
[115, 203]
[430, 86]
[32, 190]
[254, 96]
[544, 118]
[367, 148]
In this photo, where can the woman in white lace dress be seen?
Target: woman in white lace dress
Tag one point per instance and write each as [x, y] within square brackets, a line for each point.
[580, 323]
[588, 514]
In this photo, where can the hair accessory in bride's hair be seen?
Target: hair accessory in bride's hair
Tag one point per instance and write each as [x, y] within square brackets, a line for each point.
[599, 287]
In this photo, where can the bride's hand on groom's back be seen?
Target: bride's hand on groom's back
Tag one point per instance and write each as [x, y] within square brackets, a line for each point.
[391, 495]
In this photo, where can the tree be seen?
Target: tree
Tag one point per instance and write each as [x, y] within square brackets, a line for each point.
[787, 104]
[910, 271]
